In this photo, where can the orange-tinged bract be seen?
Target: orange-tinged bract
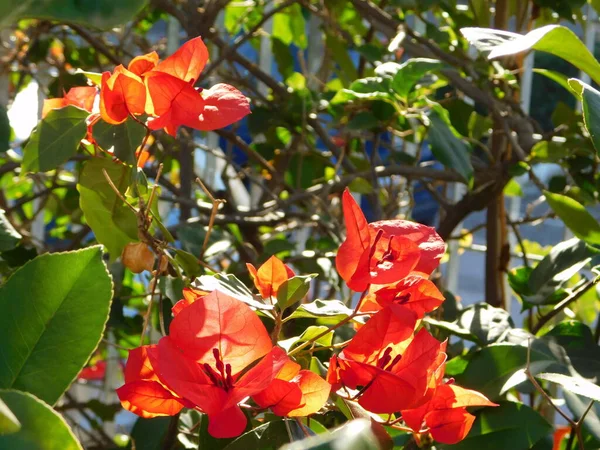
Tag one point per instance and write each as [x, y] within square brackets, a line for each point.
[445, 415]
[164, 90]
[294, 392]
[82, 97]
[270, 276]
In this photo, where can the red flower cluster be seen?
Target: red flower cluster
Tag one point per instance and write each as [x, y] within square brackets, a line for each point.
[163, 90]
[393, 366]
[217, 355]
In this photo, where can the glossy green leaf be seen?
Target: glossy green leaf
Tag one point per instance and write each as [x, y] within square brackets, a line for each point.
[488, 369]
[293, 290]
[100, 13]
[322, 308]
[485, 322]
[452, 328]
[112, 222]
[448, 148]
[372, 88]
[230, 285]
[123, 139]
[512, 426]
[41, 427]
[578, 341]
[55, 139]
[557, 40]
[576, 385]
[575, 217]
[9, 237]
[148, 434]
[354, 435]
[8, 421]
[558, 77]
[310, 334]
[411, 72]
[590, 101]
[564, 260]
[271, 435]
[52, 316]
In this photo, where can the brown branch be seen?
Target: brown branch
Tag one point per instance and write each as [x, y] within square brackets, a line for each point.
[96, 43]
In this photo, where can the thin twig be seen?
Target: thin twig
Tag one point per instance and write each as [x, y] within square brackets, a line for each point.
[216, 202]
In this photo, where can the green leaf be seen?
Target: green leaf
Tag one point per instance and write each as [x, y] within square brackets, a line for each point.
[269, 436]
[148, 434]
[230, 285]
[188, 262]
[578, 406]
[361, 186]
[9, 237]
[112, 222]
[452, 328]
[364, 120]
[575, 217]
[512, 426]
[564, 260]
[372, 88]
[448, 148]
[558, 77]
[557, 40]
[8, 422]
[590, 101]
[513, 189]
[293, 290]
[489, 369]
[485, 322]
[289, 26]
[52, 315]
[55, 139]
[581, 347]
[41, 427]
[579, 386]
[354, 435]
[123, 139]
[411, 72]
[333, 309]
[100, 14]
[308, 335]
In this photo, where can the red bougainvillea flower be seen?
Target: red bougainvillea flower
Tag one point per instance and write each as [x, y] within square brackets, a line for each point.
[294, 392]
[143, 392]
[82, 97]
[122, 93]
[445, 415]
[386, 251]
[272, 274]
[166, 91]
[387, 363]
[413, 292]
[94, 372]
[217, 354]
